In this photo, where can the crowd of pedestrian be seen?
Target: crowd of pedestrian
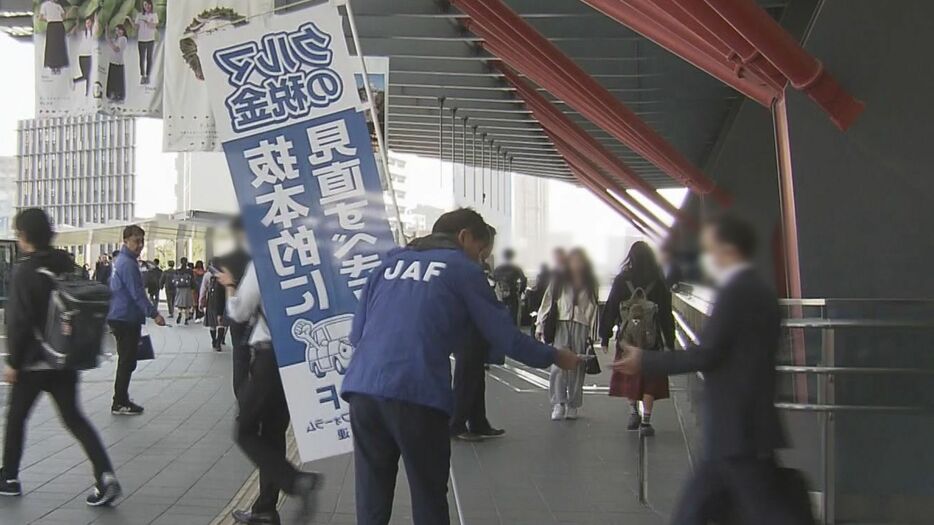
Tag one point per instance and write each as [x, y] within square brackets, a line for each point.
[403, 403]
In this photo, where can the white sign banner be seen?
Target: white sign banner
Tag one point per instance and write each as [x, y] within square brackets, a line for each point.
[188, 120]
[99, 56]
[294, 131]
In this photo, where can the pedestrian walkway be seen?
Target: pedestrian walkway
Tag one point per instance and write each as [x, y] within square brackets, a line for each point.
[179, 466]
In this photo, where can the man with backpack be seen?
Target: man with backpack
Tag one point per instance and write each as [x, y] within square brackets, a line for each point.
[167, 283]
[27, 371]
[510, 282]
[154, 282]
[129, 309]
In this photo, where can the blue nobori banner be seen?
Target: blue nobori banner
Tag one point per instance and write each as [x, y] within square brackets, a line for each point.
[298, 147]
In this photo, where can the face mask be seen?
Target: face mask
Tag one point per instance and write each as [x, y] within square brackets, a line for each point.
[709, 267]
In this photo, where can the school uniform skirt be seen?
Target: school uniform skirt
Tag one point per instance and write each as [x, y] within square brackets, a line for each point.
[634, 387]
[183, 298]
[56, 51]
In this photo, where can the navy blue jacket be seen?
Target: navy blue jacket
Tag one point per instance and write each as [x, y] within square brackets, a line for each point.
[128, 302]
[415, 311]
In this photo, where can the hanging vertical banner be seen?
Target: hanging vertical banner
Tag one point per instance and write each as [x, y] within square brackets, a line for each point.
[294, 132]
[188, 123]
[99, 56]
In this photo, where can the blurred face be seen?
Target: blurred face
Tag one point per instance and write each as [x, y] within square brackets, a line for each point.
[472, 246]
[558, 260]
[576, 265]
[135, 244]
[716, 256]
[22, 243]
[147, 7]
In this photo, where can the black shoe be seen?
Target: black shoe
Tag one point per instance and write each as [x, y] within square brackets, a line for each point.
[126, 409]
[646, 430]
[256, 518]
[470, 437]
[306, 490]
[492, 433]
[178, 320]
[634, 421]
[10, 487]
[106, 491]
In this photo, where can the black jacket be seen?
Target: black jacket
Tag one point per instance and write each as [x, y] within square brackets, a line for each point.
[659, 294]
[28, 304]
[736, 354]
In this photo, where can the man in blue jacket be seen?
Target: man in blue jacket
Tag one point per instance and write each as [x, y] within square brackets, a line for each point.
[129, 309]
[415, 311]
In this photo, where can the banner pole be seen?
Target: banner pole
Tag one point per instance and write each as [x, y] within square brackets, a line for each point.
[377, 125]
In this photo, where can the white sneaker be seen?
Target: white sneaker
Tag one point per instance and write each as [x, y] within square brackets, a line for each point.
[570, 413]
[557, 413]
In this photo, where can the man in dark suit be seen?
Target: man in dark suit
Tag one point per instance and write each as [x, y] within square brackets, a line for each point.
[736, 355]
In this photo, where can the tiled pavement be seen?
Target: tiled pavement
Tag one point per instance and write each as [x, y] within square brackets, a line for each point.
[178, 464]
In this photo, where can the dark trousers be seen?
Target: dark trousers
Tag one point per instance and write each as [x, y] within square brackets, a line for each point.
[84, 63]
[470, 393]
[512, 304]
[145, 57]
[239, 339]
[745, 489]
[261, 427]
[384, 430]
[127, 336]
[154, 297]
[170, 301]
[62, 385]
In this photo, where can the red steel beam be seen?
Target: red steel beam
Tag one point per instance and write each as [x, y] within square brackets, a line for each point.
[805, 72]
[582, 164]
[705, 22]
[651, 22]
[517, 43]
[558, 123]
[601, 193]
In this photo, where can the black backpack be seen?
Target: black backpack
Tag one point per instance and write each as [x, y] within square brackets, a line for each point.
[182, 279]
[74, 326]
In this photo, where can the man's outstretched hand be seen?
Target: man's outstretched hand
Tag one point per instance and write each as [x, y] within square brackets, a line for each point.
[566, 359]
[631, 361]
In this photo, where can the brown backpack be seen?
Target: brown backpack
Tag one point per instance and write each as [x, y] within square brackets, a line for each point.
[638, 318]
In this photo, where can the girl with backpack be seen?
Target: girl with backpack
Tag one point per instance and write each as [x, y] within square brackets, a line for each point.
[567, 318]
[639, 307]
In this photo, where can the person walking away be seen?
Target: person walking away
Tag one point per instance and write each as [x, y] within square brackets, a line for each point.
[414, 312]
[639, 289]
[27, 372]
[86, 49]
[213, 300]
[102, 269]
[116, 77]
[570, 303]
[468, 415]
[146, 23]
[184, 284]
[154, 282]
[129, 309]
[56, 49]
[510, 283]
[167, 282]
[198, 272]
[736, 353]
[236, 263]
[264, 414]
[671, 268]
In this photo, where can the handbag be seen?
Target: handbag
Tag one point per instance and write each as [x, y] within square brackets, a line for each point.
[145, 350]
[593, 364]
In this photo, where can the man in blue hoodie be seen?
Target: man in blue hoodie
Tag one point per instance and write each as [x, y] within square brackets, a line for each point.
[129, 309]
[415, 311]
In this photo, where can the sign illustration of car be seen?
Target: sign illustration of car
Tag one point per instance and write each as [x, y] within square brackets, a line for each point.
[327, 343]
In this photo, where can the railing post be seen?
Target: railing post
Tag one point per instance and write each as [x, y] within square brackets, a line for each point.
[827, 396]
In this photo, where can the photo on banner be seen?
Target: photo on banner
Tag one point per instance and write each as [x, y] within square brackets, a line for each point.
[188, 122]
[377, 69]
[99, 56]
[295, 136]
